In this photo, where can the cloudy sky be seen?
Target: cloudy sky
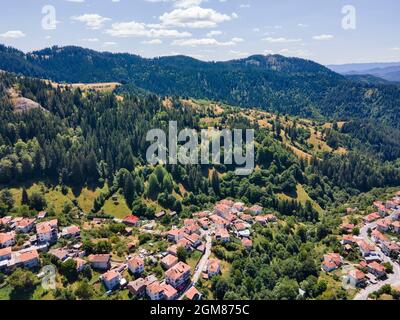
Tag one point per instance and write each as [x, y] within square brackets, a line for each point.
[329, 31]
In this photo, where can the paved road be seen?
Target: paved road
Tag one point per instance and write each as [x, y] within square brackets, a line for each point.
[200, 265]
[203, 260]
[393, 279]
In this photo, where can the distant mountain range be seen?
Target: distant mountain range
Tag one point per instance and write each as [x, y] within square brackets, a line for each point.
[274, 83]
[388, 71]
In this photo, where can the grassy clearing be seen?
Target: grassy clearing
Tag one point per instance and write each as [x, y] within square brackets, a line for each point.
[301, 196]
[117, 208]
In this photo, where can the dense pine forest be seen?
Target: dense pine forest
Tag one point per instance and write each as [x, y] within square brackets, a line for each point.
[274, 83]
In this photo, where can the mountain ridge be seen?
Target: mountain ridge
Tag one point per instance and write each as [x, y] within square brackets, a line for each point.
[274, 83]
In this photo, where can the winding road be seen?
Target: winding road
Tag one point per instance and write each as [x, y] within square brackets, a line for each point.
[393, 279]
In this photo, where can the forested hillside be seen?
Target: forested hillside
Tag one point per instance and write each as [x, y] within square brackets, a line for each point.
[274, 83]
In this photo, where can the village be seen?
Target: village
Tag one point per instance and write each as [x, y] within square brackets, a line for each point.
[374, 244]
[227, 221]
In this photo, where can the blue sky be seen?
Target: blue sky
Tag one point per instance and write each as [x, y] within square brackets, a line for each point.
[210, 29]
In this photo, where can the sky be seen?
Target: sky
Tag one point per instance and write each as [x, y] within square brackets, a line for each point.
[329, 31]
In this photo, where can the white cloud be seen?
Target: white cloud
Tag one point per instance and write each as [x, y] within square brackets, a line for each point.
[153, 41]
[92, 20]
[206, 42]
[281, 40]
[109, 44]
[181, 3]
[76, 1]
[323, 37]
[214, 33]
[13, 34]
[90, 39]
[139, 29]
[194, 17]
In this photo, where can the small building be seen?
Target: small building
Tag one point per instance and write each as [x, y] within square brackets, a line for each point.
[174, 235]
[178, 276]
[47, 232]
[169, 292]
[193, 294]
[25, 225]
[222, 235]
[61, 254]
[155, 291]
[213, 268]
[256, 210]
[111, 279]
[136, 265]
[357, 278]
[169, 261]
[5, 254]
[27, 259]
[331, 262]
[71, 232]
[377, 269]
[247, 243]
[137, 287]
[131, 220]
[100, 261]
[7, 239]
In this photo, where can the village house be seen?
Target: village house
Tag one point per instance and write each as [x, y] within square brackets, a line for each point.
[47, 232]
[136, 265]
[174, 235]
[239, 206]
[396, 226]
[194, 239]
[218, 221]
[192, 229]
[222, 235]
[366, 249]
[347, 227]
[256, 210]
[378, 237]
[42, 215]
[5, 254]
[380, 207]
[60, 253]
[193, 294]
[184, 243]
[331, 262]
[348, 239]
[383, 225]
[160, 214]
[390, 249]
[213, 268]
[71, 232]
[204, 223]
[169, 261]
[239, 225]
[247, 243]
[372, 217]
[131, 220]
[155, 291]
[222, 209]
[246, 217]
[111, 279]
[100, 261]
[80, 264]
[7, 239]
[25, 225]
[27, 259]
[377, 269]
[357, 278]
[173, 249]
[169, 292]
[178, 275]
[137, 287]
